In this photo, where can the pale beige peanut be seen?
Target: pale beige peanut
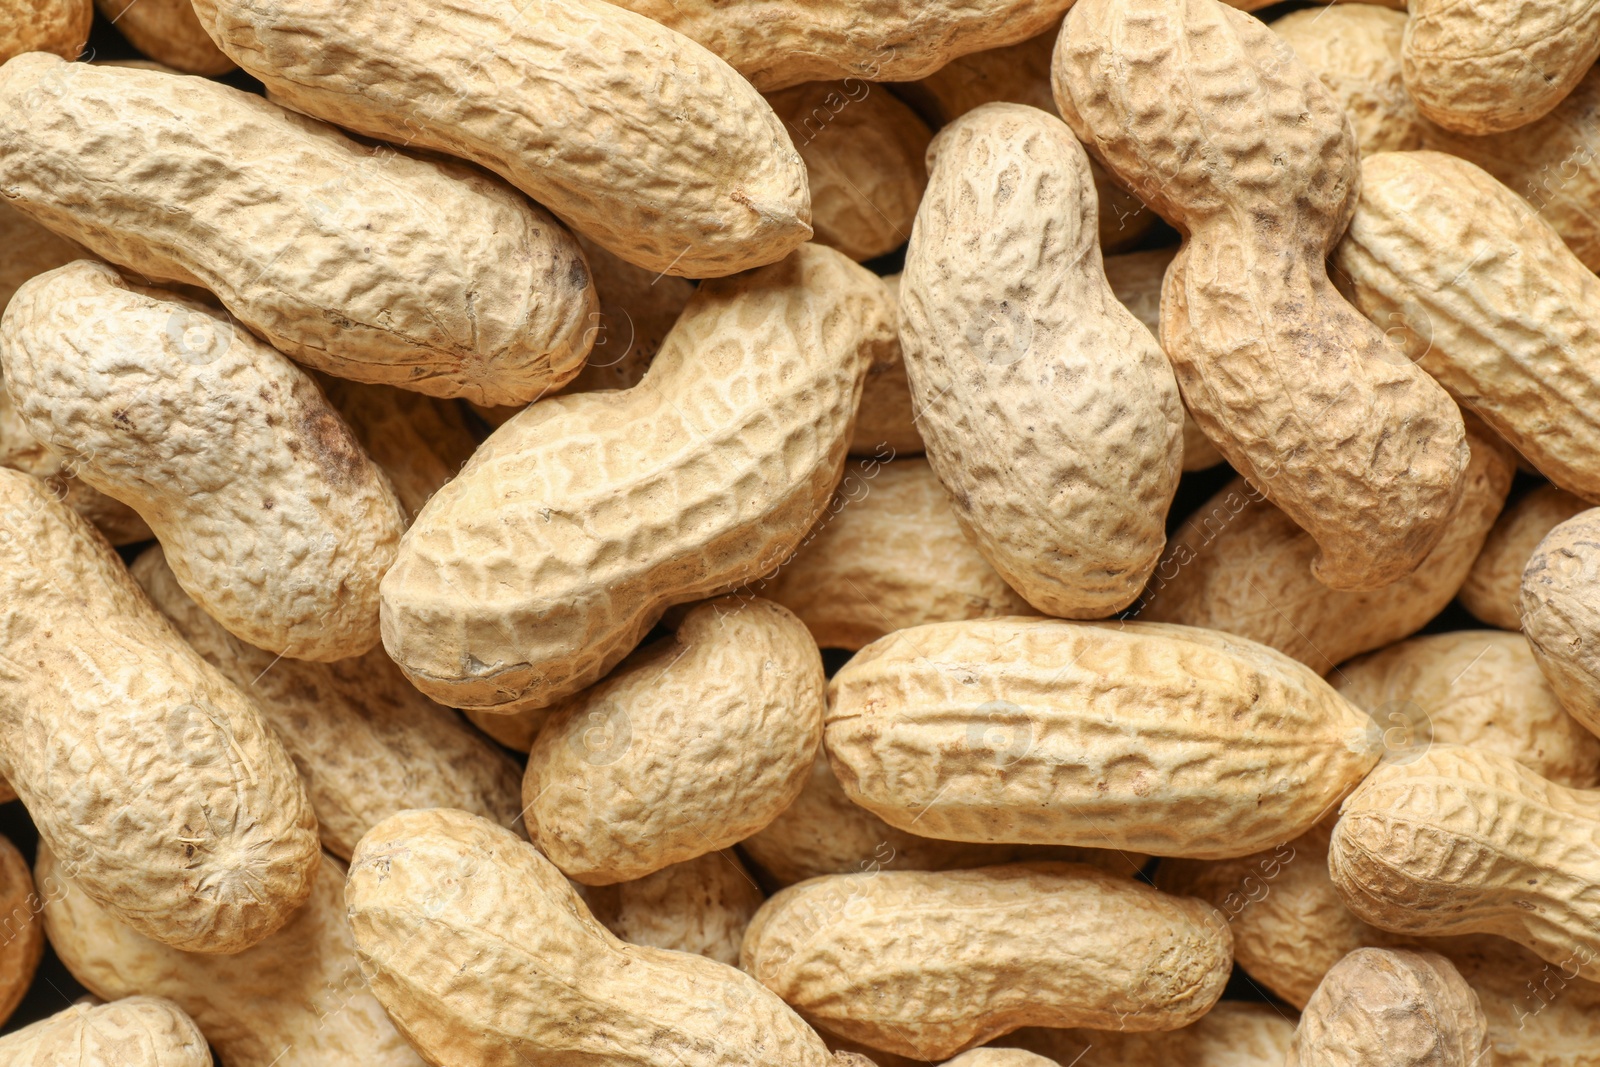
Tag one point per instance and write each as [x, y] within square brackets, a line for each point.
[692, 744]
[482, 952]
[1472, 687]
[700, 906]
[140, 1031]
[1241, 565]
[886, 555]
[1164, 739]
[1391, 1008]
[169, 32]
[360, 261]
[59, 26]
[1355, 50]
[581, 520]
[634, 135]
[886, 418]
[1461, 841]
[778, 43]
[994, 1056]
[21, 936]
[1231, 1034]
[1512, 345]
[136, 758]
[863, 152]
[273, 518]
[1561, 613]
[1049, 412]
[885, 958]
[298, 999]
[1493, 589]
[365, 742]
[1298, 392]
[419, 441]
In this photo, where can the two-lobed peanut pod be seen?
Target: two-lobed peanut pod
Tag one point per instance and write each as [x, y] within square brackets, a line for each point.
[140, 1031]
[1561, 613]
[272, 516]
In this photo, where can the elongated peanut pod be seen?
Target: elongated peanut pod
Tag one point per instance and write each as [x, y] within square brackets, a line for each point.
[1493, 589]
[136, 1032]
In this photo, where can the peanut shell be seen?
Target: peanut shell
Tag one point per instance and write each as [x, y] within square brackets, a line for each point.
[1355, 50]
[59, 26]
[886, 420]
[419, 441]
[169, 32]
[136, 1032]
[700, 906]
[1561, 614]
[1493, 589]
[1231, 1034]
[23, 941]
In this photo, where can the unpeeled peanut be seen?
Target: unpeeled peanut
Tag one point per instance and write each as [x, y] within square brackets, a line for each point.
[169, 32]
[273, 518]
[21, 938]
[1049, 413]
[886, 418]
[59, 26]
[1561, 613]
[419, 441]
[701, 905]
[137, 1032]
[1493, 589]
[1232, 1034]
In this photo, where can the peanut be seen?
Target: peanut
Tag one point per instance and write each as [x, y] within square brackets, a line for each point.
[24, 940]
[1208, 116]
[1559, 615]
[59, 26]
[1355, 50]
[136, 1032]
[736, 694]
[1493, 589]
[420, 442]
[886, 420]
[991, 1056]
[30, 251]
[888, 554]
[273, 518]
[1472, 687]
[169, 32]
[701, 906]
[886, 958]
[568, 534]
[1163, 739]
[634, 135]
[1465, 841]
[136, 759]
[1391, 1008]
[361, 262]
[366, 743]
[1231, 1034]
[1508, 346]
[297, 999]
[482, 953]
[863, 153]
[1049, 412]
[1242, 566]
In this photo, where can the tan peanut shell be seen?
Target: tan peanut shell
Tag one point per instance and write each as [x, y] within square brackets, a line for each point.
[1242, 566]
[887, 554]
[579, 522]
[419, 441]
[1163, 739]
[1231, 1034]
[632, 134]
[298, 999]
[993, 1056]
[863, 152]
[135, 758]
[692, 744]
[1512, 347]
[359, 261]
[1049, 413]
[1391, 1008]
[1494, 65]
[1472, 687]
[167, 31]
[21, 936]
[365, 742]
[886, 419]
[1493, 589]
[779, 43]
[31, 249]
[1461, 841]
[59, 26]
[1208, 116]
[136, 1032]
[700, 906]
[1136, 280]
[886, 958]
[1561, 613]
[1355, 50]
[483, 953]
[273, 518]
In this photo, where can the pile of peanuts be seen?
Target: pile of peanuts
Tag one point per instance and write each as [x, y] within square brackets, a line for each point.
[800, 533]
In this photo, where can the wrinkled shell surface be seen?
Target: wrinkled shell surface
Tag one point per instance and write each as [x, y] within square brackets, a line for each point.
[700, 906]
[1208, 116]
[136, 759]
[365, 742]
[1355, 50]
[167, 31]
[1391, 1008]
[1049, 412]
[273, 518]
[298, 999]
[886, 958]
[358, 261]
[1163, 739]
[1493, 589]
[59, 26]
[30, 251]
[1561, 613]
[419, 441]
[692, 744]
[136, 1032]
[886, 420]
[638, 308]
[635, 136]
[483, 953]
[1232, 1034]
[582, 519]
[23, 937]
